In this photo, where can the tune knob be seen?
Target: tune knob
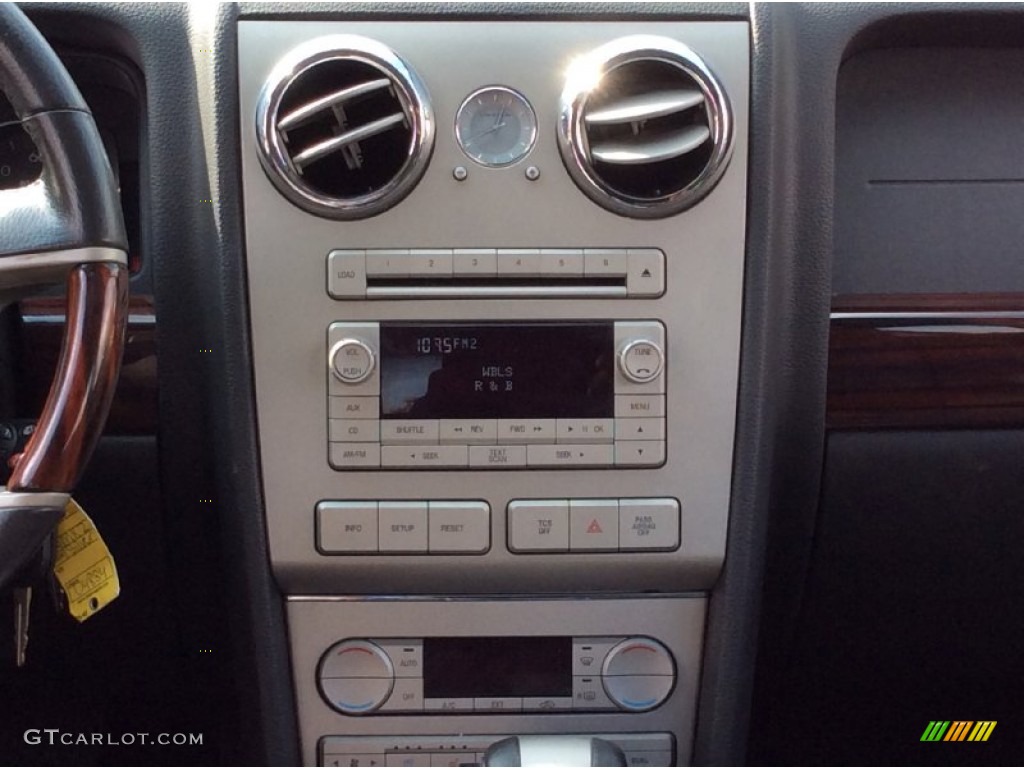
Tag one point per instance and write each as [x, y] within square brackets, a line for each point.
[638, 674]
[641, 360]
[351, 361]
[356, 677]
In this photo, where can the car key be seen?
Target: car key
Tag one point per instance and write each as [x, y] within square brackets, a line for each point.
[22, 610]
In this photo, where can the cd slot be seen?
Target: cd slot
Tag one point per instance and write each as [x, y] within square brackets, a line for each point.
[442, 273]
[495, 287]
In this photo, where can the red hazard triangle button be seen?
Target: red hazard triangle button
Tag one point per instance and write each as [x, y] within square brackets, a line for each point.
[594, 527]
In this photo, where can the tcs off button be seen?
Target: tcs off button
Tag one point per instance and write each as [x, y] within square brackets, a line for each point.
[351, 361]
[641, 360]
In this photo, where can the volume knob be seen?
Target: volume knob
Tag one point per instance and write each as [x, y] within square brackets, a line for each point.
[351, 361]
[638, 674]
[356, 677]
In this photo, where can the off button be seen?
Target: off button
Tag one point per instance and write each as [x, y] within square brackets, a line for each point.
[352, 361]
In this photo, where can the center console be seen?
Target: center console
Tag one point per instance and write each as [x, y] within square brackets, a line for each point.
[495, 280]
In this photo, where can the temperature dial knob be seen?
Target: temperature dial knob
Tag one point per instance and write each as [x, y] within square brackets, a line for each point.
[638, 674]
[356, 677]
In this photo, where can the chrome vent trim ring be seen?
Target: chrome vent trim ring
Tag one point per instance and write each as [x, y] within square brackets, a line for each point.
[285, 164]
[698, 89]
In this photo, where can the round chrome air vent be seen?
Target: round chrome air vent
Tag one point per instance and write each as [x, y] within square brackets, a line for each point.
[344, 126]
[645, 128]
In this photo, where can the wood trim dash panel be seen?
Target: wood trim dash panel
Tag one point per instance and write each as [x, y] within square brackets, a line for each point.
[932, 361]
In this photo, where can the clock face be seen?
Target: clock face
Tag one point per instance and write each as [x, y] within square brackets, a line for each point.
[496, 126]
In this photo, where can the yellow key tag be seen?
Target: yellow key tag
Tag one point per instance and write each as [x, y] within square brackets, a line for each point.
[83, 565]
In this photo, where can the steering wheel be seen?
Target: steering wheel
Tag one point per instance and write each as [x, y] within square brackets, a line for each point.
[66, 225]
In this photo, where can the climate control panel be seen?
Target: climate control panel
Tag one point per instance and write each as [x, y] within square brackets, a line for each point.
[496, 675]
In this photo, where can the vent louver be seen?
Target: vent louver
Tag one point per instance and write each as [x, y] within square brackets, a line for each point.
[345, 127]
[645, 128]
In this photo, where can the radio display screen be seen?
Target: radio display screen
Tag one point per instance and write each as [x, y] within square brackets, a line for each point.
[497, 370]
[499, 667]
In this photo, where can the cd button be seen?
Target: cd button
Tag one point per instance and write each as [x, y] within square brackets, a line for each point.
[639, 453]
[585, 430]
[415, 457]
[469, 431]
[640, 429]
[354, 407]
[354, 431]
[448, 705]
[497, 456]
[507, 704]
[409, 432]
[526, 430]
[538, 526]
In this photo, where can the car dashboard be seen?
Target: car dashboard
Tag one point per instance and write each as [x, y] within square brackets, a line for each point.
[517, 370]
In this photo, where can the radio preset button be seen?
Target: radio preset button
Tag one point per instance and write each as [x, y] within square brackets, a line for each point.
[474, 261]
[648, 524]
[593, 525]
[639, 406]
[639, 453]
[538, 526]
[585, 430]
[347, 526]
[391, 262]
[605, 262]
[641, 361]
[407, 759]
[409, 431]
[497, 456]
[354, 431]
[469, 431]
[419, 457]
[519, 262]
[640, 429]
[459, 526]
[402, 526]
[561, 262]
[430, 263]
[354, 408]
[352, 361]
[588, 455]
[346, 274]
[526, 430]
[354, 455]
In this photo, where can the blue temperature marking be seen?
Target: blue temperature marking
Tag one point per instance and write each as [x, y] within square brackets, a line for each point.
[638, 704]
